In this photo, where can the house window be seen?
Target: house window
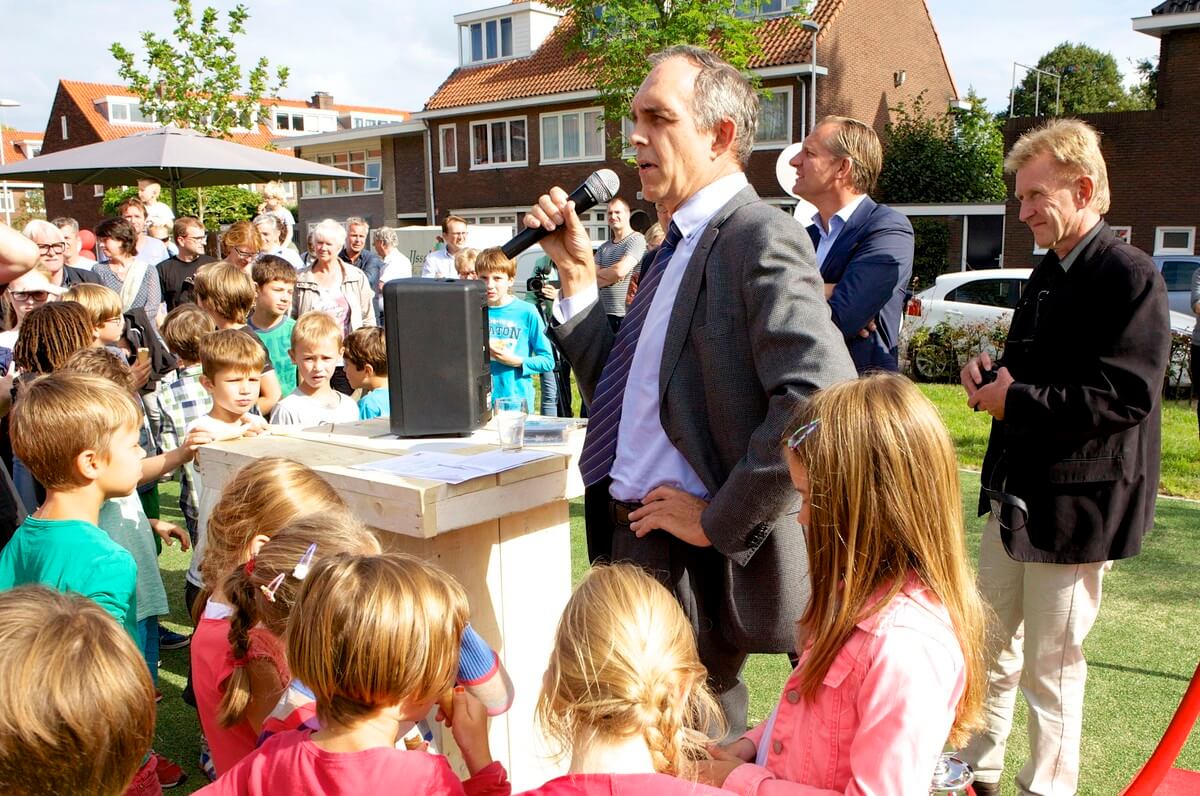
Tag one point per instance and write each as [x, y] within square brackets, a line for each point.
[492, 39]
[448, 147]
[97, 190]
[63, 119]
[300, 122]
[127, 112]
[1124, 233]
[497, 143]
[68, 191]
[1174, 240]
[573, 136]
[7, 201]
[628, 150]
[768, 8]
[774, 119]
[368, 162]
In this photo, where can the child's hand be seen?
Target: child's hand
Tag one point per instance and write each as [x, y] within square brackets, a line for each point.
[168, 531]
[141, 372]
[195, 438]
[742, 749]
[253, 426]
[470, 730]
[505, 357]
[724, 760]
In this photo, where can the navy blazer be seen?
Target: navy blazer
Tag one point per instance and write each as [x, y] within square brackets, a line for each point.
[871, 262]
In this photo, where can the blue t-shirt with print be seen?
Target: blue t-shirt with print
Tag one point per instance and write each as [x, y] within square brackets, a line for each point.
[517, 327]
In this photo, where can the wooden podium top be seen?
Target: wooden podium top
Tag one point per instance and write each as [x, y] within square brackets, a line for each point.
[411, 506]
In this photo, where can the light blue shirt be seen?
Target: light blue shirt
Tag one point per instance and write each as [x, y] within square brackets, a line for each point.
[645, 457]
[836, 225]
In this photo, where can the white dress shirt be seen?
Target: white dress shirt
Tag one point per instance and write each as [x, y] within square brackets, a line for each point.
[645, 457]
[439, 264]
[836, 224]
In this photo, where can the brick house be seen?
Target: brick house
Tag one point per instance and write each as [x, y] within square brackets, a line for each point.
[86, 113]
[17, 145]
[519, 114]
[1153, 164]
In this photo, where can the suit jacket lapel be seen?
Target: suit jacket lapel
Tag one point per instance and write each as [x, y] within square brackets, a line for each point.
[689, 289]
[848, 237]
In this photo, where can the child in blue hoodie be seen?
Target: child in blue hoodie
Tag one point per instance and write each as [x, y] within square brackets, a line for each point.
[516, 333]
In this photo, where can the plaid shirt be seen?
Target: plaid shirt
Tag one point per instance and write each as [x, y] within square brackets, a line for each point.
[183, 400]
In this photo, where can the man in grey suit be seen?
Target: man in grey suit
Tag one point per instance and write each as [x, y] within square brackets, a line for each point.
[728, 333]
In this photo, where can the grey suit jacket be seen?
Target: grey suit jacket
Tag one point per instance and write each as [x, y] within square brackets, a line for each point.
[750, 337]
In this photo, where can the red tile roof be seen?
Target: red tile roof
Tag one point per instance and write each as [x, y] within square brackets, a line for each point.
[85, 96]
[10, 140]
[552, 70]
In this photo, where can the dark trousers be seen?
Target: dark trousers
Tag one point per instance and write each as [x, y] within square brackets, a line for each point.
[1196, 380]
[694, 575]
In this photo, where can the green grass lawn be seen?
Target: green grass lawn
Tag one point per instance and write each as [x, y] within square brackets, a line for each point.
[1180, 443]
[1142, 651]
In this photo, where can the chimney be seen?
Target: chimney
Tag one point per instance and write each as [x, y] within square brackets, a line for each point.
[323, 101]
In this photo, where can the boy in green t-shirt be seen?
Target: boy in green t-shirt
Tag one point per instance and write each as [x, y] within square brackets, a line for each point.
[60, 545]
[271, 319]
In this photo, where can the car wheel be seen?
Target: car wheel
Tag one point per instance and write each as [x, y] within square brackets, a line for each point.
[930, 363]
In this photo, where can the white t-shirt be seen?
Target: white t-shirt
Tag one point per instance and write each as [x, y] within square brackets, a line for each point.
[307, 411]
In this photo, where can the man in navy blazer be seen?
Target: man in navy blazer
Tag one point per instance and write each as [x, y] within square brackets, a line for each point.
[864, 249]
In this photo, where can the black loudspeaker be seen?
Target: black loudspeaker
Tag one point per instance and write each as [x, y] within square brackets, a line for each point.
[439, 378]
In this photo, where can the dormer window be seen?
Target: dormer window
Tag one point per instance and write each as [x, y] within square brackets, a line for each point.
[770, 8]
[126, 111]
[491, 39]
[289, 120]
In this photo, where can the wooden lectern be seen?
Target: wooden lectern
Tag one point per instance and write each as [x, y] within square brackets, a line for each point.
[505, 537]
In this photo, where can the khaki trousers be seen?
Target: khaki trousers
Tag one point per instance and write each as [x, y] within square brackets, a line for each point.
[1043, 612]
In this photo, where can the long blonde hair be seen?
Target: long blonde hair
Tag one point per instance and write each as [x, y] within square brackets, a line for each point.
[625, 663]
[884, 503]
[261, 498]
[373, 631]
[333, 532]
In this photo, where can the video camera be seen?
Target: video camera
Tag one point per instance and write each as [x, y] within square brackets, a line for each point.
[535, 283]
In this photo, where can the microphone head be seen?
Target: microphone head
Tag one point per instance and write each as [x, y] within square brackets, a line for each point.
[603, 184]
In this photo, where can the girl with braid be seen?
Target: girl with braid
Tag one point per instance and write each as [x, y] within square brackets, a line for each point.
[239, 669]
[624, 696]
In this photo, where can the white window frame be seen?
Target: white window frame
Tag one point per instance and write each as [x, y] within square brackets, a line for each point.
[469, 48]
[442, 166]
[582, 158]
[312, 189]
[510, 163]
[307, 113]
[68, 191]
[63, 120]
[1161, 232]
[628, 150]
[8, 200]
[1124, 233]
[97, 190]
[778, 143]
[129, 104]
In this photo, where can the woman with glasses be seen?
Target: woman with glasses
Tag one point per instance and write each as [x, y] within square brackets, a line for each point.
[134, 280]
[241, 244]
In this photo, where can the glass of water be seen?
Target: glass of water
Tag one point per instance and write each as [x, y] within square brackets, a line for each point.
[510, 421]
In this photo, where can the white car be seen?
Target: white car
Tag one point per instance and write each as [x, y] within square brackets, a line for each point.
[984, 297]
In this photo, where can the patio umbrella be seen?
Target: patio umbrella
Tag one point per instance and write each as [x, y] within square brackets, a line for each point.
[174, 157]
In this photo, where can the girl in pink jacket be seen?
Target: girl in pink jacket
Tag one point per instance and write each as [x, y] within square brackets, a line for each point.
[891, 643]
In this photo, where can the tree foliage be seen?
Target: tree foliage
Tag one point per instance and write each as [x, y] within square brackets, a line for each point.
[1145, 94]
[193, 78]
[942, 157]
[614, 38]
[223, 204]
[1091, 83]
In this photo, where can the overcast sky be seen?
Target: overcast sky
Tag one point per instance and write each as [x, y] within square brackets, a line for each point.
[394, 53]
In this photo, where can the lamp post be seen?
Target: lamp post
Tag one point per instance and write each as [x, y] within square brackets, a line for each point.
[5, 103]
[813, 28]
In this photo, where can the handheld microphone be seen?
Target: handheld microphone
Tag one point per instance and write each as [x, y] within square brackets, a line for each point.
[601, 186]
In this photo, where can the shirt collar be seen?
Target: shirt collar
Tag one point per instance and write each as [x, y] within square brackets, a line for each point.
[695, 213]
[916, 591]
[841, 216]
[1073, 255]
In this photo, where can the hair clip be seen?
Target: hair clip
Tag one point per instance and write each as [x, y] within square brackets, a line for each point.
[249, 567]
[802, 433]
[272, 587]
[301, 570]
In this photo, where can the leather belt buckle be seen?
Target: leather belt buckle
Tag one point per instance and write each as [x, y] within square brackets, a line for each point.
[620, 510]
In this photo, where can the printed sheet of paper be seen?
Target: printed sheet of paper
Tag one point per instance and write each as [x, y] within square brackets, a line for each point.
[452, 468]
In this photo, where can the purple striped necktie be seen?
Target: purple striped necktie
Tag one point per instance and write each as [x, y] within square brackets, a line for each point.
[600, 444]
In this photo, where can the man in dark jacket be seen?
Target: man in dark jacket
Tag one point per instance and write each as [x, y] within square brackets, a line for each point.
[1071, 470]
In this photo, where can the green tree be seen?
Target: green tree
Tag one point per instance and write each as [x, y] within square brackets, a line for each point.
[614, 37]
[32, 206]
[1145, 94]
[953, 156]
[1091, 83]
[193, 78]
[223, 204]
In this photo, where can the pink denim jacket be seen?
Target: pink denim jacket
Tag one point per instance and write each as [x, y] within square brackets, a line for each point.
[880, 719]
